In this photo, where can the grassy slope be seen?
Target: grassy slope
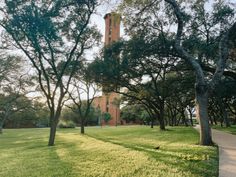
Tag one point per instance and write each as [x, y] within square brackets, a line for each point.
[107, 152]
[231, 129]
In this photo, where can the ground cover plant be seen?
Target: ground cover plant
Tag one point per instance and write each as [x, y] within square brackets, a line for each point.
[105, 152]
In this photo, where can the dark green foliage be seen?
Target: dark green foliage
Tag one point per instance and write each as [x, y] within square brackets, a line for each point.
[92, 118]
[27, 114]
[106, 116]
[135, 114]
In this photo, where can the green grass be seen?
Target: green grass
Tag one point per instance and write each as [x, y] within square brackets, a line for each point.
[231, 129]
[106, 152]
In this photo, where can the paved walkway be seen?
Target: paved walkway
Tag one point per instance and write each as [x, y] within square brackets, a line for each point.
[227, 152]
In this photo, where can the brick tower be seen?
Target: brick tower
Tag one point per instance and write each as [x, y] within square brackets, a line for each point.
[112, 29]
[109, 102]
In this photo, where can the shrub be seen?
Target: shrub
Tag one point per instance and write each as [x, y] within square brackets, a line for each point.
[66, 124]
[106, 116]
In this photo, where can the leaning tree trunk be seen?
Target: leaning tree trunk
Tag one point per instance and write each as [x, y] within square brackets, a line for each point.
[202, 114]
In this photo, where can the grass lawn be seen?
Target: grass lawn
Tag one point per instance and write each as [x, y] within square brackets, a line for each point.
[231, 129]
[107, 152]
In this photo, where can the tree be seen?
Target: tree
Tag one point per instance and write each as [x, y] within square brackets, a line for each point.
[201, 86]
[8, 63]
[135, 113]
[34, 114]
[12, 86]
[40, 114]
[200, 29]
[92, 118]
[138, 67]
[222, 102]
[83, 92]
[180, 95]
[53, 35]
[13, 99]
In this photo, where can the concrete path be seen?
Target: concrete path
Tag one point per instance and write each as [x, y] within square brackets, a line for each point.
[227, 152]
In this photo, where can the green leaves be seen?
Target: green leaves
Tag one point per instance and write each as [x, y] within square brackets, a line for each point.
[106, 116]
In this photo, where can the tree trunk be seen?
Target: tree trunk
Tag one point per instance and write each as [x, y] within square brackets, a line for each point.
[226, 119]
[152, 123]
[211, 120]
[178, 121]
[1, 128]
[202, 114]
[223, 112]
[54, 119]
[169, 121]
[214, 117]
[191, 116]
[215, 121]
[184, 118]
[82, 126]
[161, 118]
[225, 116]
[172, 118]
[1, 124]
[53, 128]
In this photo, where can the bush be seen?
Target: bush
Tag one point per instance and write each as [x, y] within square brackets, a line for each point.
[66, 124]
[106, 116]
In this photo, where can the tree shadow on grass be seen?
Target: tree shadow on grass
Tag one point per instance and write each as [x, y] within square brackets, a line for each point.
[32, 157]
[183, 159]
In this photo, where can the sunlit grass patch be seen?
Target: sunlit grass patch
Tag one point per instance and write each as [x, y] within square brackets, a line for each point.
[106, 152]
